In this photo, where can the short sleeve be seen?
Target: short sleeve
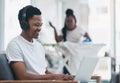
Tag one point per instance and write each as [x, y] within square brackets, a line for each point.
[13, 52]
[82, 31]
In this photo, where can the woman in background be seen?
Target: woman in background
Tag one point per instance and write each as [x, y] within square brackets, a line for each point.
[70, 32]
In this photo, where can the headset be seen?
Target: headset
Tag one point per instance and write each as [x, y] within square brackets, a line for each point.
[24, 23]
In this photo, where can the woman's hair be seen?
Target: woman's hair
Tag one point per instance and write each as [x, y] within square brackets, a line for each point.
[69, 12]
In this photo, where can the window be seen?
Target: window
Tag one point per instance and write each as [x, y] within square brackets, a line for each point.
[117, 32]
[12, 27]
[99, 25]
[99, 21]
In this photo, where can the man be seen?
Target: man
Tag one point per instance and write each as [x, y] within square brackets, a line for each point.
[25, 55]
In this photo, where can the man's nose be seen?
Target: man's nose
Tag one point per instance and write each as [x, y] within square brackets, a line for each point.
[39, 28]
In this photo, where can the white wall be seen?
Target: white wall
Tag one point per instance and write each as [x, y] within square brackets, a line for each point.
[117, 33]
[2, 24]
[50, 12]
[12, 27]
[81, 11]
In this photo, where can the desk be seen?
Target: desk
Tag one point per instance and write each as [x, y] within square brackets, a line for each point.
[36, 81]
[97, 78]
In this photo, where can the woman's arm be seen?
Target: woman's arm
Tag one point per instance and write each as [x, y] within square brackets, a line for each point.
[87, 35]
[58, 38]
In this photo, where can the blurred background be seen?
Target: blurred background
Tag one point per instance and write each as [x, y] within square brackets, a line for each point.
[99, 17]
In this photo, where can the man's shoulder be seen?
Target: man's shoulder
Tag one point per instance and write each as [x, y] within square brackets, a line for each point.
[14, 41]
[37, 42]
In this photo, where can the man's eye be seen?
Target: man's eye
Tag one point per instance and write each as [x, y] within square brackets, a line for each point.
[38, 25]
[41, 24]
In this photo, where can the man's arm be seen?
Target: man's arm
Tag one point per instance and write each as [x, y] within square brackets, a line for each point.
[48, 72]
[20, 71]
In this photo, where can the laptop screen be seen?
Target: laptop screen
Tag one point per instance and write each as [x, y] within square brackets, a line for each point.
[86, 69]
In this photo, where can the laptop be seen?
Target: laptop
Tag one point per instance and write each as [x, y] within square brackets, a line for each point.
[86, 69]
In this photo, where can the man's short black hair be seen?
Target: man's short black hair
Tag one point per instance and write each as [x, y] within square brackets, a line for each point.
[29, 12]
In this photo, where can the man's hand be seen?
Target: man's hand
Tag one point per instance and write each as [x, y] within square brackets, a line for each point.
[63, 77]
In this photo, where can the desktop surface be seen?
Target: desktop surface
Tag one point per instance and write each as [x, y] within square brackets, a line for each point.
[36, 81]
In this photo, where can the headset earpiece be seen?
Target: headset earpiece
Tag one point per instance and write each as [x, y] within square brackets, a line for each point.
[24, 23]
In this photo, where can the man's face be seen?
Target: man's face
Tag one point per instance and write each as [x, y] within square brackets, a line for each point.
[35, 24]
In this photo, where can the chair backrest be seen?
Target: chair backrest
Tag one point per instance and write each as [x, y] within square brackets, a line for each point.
[5, 70]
